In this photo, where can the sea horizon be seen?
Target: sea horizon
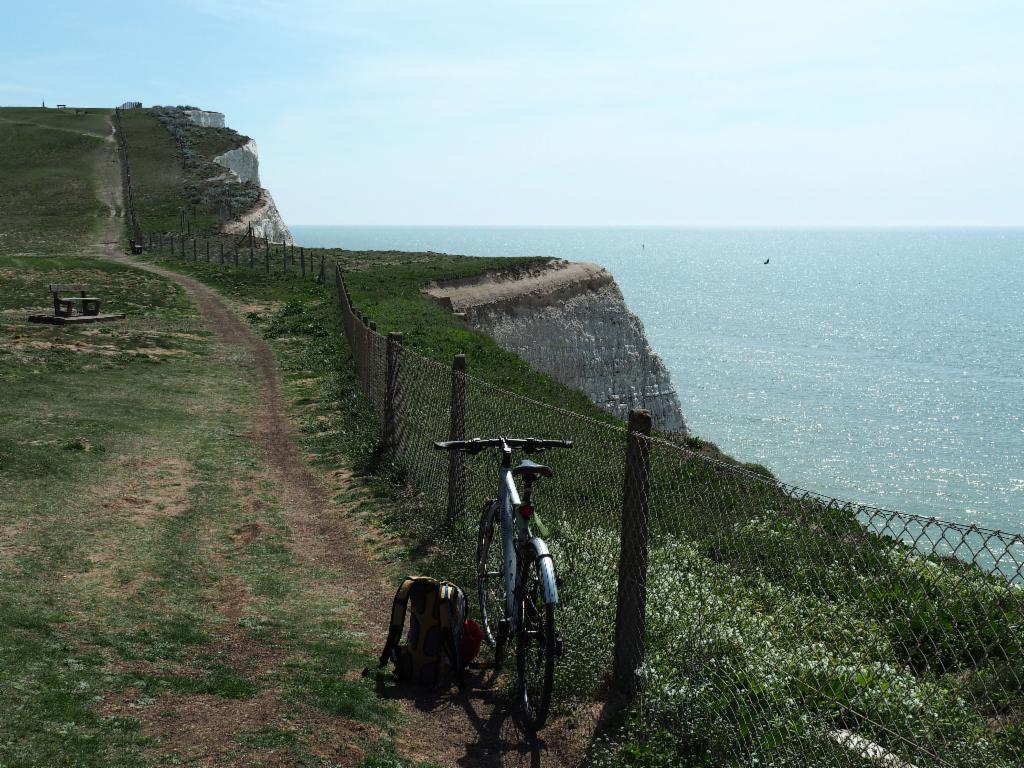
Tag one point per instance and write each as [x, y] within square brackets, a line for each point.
[918, 415]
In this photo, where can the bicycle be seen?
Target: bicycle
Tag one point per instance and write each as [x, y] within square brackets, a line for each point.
[516, 582]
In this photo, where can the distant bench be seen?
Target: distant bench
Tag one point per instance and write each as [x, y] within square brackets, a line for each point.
[64, 306]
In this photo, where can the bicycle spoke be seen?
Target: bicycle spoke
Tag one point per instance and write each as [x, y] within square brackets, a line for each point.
[490, 580]
[535, 652]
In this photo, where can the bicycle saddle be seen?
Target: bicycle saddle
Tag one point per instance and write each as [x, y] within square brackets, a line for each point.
[530, 469]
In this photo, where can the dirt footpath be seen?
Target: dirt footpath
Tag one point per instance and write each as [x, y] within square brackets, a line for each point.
[473, 729]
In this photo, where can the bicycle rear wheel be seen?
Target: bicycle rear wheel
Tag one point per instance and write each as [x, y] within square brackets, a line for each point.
[490, 580]
[536, 651]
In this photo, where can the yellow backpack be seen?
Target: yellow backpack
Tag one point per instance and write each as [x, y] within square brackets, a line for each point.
[431, 652]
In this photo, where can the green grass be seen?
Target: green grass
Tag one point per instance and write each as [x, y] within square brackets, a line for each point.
[124, 465]
[158, 177]
[95, 122]
[388, 289]
[211, 142]
[47, 202]
[760, 607]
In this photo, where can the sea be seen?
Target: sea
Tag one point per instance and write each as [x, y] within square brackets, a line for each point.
[882, 366]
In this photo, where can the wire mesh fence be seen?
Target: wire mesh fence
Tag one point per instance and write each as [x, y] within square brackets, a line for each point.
[750, 621]
[757, 623]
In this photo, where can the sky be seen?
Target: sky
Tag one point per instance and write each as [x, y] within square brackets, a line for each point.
[572, 113]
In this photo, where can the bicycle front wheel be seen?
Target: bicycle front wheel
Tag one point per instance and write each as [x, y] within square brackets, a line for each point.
[490, 580]
[536, 649]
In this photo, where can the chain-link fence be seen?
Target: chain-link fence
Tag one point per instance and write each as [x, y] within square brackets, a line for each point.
[749, 622]
[755, 622]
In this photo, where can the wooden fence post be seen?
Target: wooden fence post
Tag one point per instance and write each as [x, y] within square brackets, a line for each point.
[195, 250]
[220, 252]
[302, 261]
[630, 613]
[252, 257]
[266, 255]
[207, 250]
[183, 246]
[457, 431]
[320, 279]
[391, 394]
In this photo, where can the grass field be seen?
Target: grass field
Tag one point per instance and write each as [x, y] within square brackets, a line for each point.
[158, 177]
[135, 514]
[47, 201]
[153, 607]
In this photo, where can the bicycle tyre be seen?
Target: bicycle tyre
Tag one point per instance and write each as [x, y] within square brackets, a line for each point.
[490, 582]
[536, 647]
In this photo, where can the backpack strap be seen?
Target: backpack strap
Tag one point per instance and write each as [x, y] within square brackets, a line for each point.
[398, 617]
[447, 591]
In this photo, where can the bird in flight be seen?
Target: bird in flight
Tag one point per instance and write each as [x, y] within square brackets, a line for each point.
[767, 260]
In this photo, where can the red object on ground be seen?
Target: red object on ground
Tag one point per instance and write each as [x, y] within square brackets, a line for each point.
[472, 636]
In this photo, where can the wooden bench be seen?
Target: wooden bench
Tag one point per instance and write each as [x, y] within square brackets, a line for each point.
[64, 306]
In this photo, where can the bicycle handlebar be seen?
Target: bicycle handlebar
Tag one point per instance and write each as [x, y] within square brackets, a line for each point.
[477, 444]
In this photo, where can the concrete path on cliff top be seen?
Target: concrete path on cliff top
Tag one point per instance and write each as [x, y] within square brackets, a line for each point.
[473, 729]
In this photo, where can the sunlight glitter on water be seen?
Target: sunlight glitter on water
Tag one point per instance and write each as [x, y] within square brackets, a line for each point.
[883, 366]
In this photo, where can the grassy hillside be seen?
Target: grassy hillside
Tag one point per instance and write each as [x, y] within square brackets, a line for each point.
[775, 621]
[172, 164]
[154, 609]
[158, 175]
[47, 159]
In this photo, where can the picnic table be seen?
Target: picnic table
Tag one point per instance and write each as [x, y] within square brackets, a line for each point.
[64, 306]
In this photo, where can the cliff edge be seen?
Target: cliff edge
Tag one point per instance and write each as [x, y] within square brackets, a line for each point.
[570, 321]
[223, 172]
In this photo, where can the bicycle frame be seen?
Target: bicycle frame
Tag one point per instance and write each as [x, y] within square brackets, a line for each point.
[516, 539]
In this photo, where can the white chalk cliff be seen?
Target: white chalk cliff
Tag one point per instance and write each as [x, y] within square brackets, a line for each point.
[205, 118]
[570, 321]
[265, 219]
[244, 164]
